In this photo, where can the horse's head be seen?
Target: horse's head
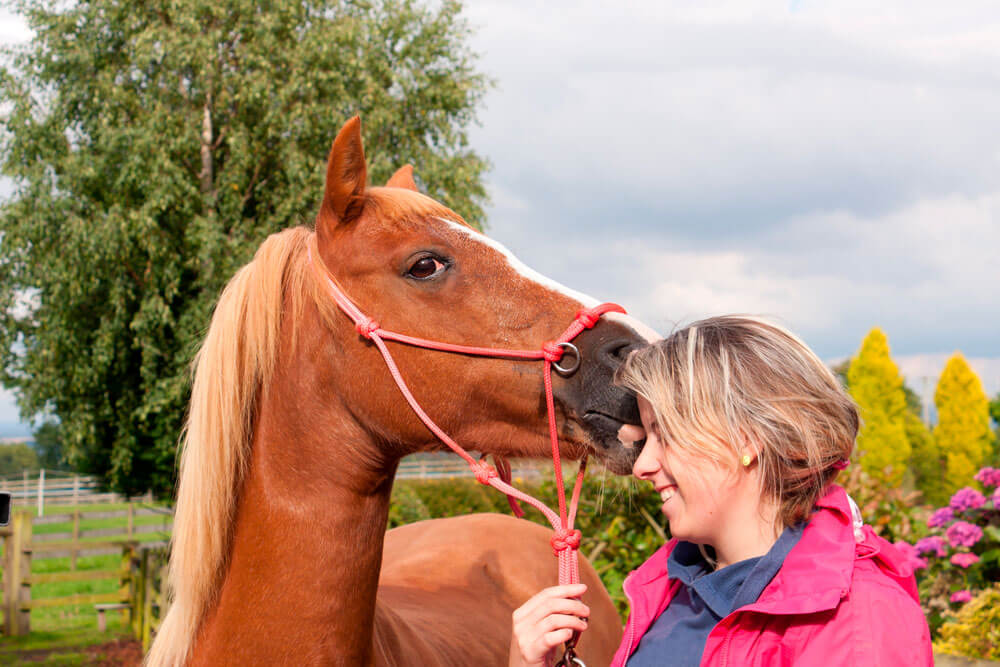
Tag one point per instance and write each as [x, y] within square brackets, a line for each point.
[417, 268]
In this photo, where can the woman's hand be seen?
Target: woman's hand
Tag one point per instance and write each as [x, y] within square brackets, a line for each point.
[544, 622]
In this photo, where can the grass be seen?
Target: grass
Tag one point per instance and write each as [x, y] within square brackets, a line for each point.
[100, 524]
[62, 643]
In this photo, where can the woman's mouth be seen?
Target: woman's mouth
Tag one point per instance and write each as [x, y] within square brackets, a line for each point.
[667, 492]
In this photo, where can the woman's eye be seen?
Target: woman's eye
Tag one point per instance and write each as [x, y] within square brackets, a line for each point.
[425, 267]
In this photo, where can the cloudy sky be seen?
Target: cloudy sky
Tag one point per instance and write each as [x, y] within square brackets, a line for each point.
[832, 165]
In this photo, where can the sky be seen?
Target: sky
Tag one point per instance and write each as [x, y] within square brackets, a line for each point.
[834, 166]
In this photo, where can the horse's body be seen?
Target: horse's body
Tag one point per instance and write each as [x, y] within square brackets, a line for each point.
[478, 569]
[296, 430]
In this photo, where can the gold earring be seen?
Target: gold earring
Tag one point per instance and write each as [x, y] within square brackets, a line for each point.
[746, 460]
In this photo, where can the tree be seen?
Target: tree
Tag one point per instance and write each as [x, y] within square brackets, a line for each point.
[16, 458]
[926, 461]
[153, 147]
[876, 385]
[48, 445]
[963, 428]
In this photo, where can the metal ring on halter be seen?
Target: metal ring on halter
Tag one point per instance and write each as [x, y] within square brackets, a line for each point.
[569, 659]
[568, 347]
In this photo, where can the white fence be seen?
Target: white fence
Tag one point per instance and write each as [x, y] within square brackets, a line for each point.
[56, 488]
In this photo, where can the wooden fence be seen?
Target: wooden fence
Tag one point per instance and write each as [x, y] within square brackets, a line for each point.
[138, 572]
[446, 466]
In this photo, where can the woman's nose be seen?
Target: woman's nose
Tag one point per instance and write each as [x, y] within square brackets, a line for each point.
[648, 463]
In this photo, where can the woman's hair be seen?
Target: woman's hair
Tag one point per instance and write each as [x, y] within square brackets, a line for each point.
[734, 385]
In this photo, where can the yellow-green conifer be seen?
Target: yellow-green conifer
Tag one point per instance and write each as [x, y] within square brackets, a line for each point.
[927, 463]
[963, 429]
[875, 383]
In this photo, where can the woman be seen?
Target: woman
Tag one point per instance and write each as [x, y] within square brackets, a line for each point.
[769, 564]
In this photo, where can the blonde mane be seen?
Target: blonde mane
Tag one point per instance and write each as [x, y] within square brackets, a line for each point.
[236, 359]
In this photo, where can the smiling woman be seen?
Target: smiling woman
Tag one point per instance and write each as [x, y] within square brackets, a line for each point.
[746, 430]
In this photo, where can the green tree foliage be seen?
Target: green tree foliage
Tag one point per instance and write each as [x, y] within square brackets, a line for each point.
[875, 383]
[927, 462]
[48, 445]
[16, 458]
[963, 429]
[154, 145]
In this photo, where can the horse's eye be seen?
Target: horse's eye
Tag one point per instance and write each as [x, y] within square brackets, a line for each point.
[425, 267]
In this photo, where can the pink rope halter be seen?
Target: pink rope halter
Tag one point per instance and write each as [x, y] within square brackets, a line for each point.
[566, 539]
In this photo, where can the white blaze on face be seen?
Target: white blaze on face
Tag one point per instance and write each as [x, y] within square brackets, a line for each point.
[527, 272]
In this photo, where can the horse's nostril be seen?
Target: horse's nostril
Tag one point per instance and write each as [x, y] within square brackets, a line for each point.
[619, 350]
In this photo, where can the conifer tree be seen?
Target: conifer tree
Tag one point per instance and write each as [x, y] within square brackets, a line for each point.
[927, 463]
[875, 383]
[963, 429]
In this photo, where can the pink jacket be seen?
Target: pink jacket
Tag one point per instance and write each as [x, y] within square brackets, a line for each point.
[835, 601]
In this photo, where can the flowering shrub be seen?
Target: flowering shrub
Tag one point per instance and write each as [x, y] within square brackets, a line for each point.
[893, 513]
[961, 556]
[975, 630]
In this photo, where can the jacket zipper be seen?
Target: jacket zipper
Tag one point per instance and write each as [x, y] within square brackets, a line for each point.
[629, 625]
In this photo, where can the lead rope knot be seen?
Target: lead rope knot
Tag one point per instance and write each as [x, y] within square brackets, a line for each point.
[588, 318]
[552, 352]
[483, 471]
[367, 327]
[566, 539]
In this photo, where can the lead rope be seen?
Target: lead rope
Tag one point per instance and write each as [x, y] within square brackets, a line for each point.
[566, 539]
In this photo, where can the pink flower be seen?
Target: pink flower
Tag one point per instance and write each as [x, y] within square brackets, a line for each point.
[941, 517]
[996, 498]
[988, 477]
[966, 499]
[963, 534]
[961, 596]
[909, 552]
[934, 545]
[964, 559]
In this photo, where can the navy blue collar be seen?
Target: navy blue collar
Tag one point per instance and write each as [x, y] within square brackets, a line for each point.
[736, 585]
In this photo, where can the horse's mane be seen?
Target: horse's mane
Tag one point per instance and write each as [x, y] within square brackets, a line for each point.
[236, 359]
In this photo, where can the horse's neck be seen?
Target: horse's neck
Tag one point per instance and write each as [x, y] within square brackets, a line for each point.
[304, 569]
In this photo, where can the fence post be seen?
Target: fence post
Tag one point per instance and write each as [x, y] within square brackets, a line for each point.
[76, 540]
[76, 490]
[131, 519]
[41, 492]
[8, 580]
[138, 586]
[19, 588]
[147, 599]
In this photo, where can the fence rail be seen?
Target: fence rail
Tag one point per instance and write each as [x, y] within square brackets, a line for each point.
[419, 467]
[58, 488]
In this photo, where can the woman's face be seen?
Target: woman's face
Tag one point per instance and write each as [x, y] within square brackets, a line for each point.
[697, 493]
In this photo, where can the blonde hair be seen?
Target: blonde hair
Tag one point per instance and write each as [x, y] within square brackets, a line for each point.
[732, 385]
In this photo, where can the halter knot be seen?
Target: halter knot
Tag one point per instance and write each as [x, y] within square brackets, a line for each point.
[367, 327]
[552, 351]
[565, 539]
[483, 471]
[588, 318]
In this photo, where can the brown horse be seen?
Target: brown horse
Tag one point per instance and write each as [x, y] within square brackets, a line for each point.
[296, 429]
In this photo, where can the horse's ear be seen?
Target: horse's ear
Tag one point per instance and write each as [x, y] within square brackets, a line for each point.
[346, 174]
[403, 178]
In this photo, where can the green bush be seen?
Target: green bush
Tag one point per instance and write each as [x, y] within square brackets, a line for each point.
[976, 630]
[620, 518]
[893, 513]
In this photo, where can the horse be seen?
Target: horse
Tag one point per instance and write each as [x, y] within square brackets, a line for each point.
[295, 430]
